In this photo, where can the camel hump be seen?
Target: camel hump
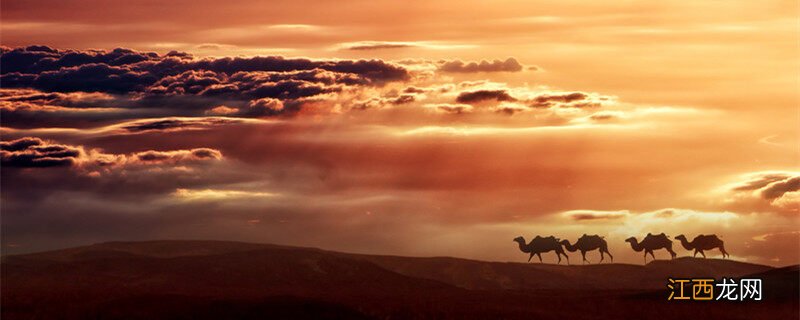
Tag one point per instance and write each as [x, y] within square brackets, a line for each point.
[708, 237]
[658, 237]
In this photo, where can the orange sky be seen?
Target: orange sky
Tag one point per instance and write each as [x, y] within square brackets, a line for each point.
[617, 118]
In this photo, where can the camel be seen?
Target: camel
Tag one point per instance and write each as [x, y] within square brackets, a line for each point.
[539, 245]
[703, 242]
[650, 243]
[589, 243]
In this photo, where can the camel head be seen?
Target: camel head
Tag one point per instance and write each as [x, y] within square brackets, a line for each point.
[522, 245]
[631, 239]
[681, 237]
[564, 242]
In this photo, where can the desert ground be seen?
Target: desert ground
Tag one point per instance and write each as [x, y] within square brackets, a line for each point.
[230, 280]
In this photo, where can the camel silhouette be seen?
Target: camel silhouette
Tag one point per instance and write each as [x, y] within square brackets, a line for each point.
[650, 243]
[703, 242]
[588, 243]
[539, 245]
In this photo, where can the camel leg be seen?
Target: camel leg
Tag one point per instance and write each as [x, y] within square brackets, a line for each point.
[672, 253]
[602, 256]
[531, 257]
[583, 254]
[652, 255]
[559, 253]
[695, 254]
[609, 254]
[645, 257]
[724, 253]
[604, 249]
[704, 255]
[540, 257]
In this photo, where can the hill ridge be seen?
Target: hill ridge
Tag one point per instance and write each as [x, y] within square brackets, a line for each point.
[454, 271]
[173, 278]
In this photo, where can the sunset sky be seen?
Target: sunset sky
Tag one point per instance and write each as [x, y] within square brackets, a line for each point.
[402, 127]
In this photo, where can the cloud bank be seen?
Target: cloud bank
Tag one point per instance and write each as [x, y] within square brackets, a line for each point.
[106, 144]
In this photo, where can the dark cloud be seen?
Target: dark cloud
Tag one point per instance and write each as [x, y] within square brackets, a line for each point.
[362, 46]
[761, 181]
[178, 82]
[34, 152]
[413, 90]
[403, 99]
[38, 59]
[768, 191]
[575, 99]
[771, 185]
[602, 215]
[172, 124]
[580, 217]
[603, 116]
[95, 77]
[288, 90]
[199, 154]
[22, 67]
[190, 82]
[24, 115]
[371, 71]
[20, 144]
[30, 152]
[509, 110]
[778, 189]
[472, 97]
[70, 100]
[46, 87]
[509, 65]
[28, 108]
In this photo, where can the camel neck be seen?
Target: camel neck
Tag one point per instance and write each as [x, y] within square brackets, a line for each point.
[686, 244]
[523, 247]
[636, 246]
[570, 247]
